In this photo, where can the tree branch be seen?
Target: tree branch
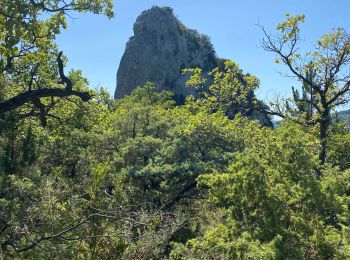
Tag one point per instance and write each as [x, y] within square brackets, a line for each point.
[28, 96]
[34, 95]
[65, 80]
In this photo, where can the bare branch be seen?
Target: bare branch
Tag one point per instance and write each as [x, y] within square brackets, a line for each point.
[63, 77]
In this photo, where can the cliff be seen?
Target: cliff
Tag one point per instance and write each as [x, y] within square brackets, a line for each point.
[160, 48]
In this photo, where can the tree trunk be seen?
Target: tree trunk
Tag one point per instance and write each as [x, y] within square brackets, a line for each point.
[324, 126]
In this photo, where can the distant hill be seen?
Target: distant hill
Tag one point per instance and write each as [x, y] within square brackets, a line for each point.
[344, 115]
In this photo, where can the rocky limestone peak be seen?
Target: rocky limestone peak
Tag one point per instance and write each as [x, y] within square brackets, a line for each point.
[160, 48]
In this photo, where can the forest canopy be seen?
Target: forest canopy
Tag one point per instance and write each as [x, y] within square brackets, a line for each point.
[84, 176]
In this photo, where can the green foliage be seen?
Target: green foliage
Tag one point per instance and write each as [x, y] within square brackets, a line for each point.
[200, 41]
[274, 205]
[152, 180]
[323, 72]
[143, 178]
[339, 153]
[30, 59]
[290, 27]
[225, 89]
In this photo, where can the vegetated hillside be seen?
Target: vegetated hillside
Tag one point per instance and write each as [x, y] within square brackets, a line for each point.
[142, 178]
[344, 115]
[86, 176]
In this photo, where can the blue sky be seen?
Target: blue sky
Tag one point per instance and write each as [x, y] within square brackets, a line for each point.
[95, 44]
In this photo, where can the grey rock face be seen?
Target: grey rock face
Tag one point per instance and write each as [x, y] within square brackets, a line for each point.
[160, 48]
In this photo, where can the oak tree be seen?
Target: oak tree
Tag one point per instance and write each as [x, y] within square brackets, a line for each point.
[329, 64]
[31, 65]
